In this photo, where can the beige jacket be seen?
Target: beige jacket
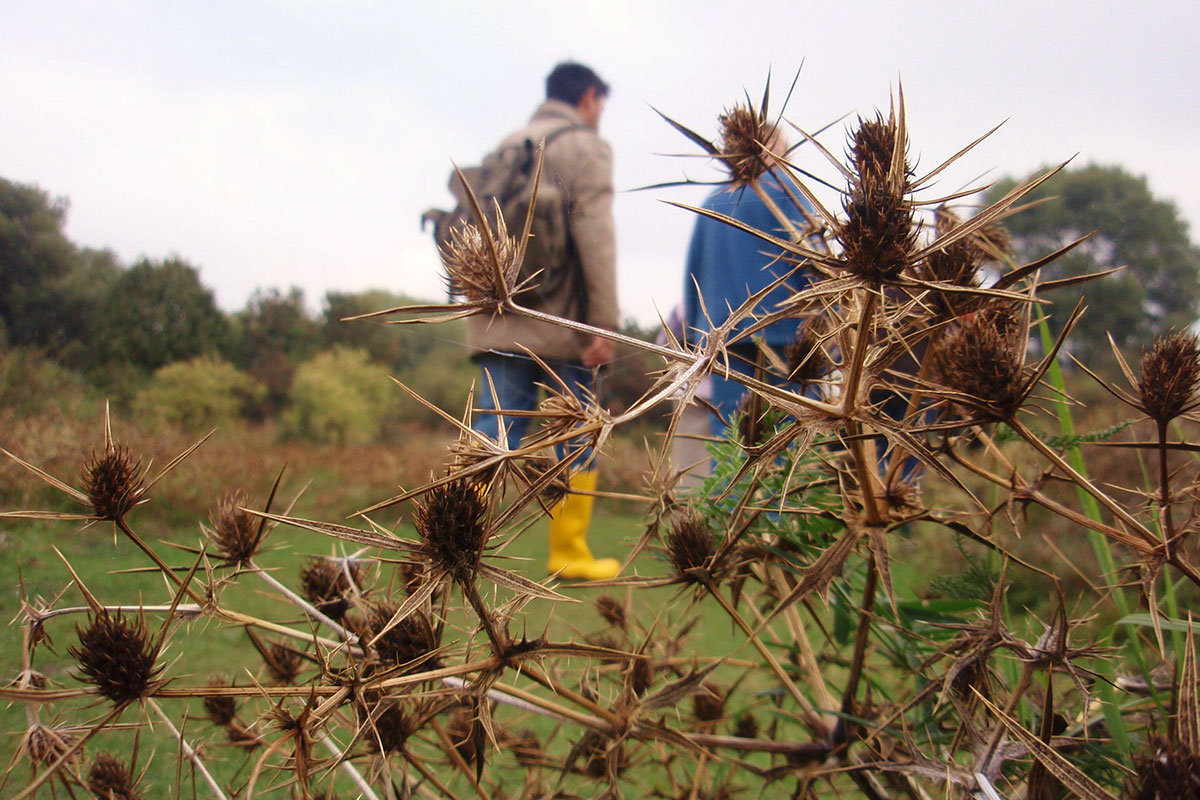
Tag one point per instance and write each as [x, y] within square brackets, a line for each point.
[582, 164]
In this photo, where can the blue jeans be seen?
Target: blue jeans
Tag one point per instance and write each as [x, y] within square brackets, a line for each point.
[516, 379]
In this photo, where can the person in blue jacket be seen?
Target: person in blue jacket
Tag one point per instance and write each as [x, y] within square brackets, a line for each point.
[725, 265]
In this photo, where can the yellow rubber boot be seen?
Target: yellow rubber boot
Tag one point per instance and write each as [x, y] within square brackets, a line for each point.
[569, 522]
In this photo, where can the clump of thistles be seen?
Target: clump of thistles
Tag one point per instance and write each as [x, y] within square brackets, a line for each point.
[113, 482]
[1170, 372]
[116, 657]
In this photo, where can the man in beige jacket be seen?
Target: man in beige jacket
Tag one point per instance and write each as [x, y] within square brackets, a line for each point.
[581, 164]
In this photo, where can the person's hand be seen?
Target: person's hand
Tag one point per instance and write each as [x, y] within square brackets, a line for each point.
[598, 352]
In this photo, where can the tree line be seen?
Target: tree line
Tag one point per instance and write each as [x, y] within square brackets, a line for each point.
[128, 329]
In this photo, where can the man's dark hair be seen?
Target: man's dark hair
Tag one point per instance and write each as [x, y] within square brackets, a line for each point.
[569, 81]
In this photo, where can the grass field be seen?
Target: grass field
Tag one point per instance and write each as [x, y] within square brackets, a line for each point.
[199, 649]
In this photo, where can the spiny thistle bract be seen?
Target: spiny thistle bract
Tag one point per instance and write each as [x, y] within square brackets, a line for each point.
[234, 531]
[116, 657]
[878, 236]
[113, 482]
[452, 522]
[1170, 372]
[472, 271]
[110, 779]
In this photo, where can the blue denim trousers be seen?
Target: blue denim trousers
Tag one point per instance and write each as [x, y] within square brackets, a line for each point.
[517, 380]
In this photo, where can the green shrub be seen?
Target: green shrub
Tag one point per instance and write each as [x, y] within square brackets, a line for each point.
[204, 392]
[339, 396]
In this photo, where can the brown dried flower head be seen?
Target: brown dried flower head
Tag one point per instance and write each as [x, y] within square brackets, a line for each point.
[1164, 770]
[746, 138]
[390, 729]
[113, 482]
[991, 242]
[116, 657]
[641, 675]
[234, 531]
[878, 236]
[410, 643]
[46, 745]
[220, 710]
[1170, 372]
[328, 587]
[526, 748]
[747, 726]
[110, 779]
[956, 264]
[452, 522]
[806, 359]
[611, 610]
[984, 360]
[470, 268]
[283, 663]
[708, 705]
[690, 545]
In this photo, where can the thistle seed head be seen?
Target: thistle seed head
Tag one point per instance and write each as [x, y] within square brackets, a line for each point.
[641, 676]
[116, 657]
[1164, 770]
[878, 236]
[991, 242]
[956, 264]
[708, 705]
[526, 748]
[391, 730]
[234, 531]
[611, 610]
[452, 522]
[806, 359]
[470, 269]
[746, 137]
[113, 482]
[409, 644]
[1170, 372]
[46, 745]
[283, 663]
[221, 711]
[327, 586]
[747, 726]
[110, 779]
[690, 545]
[983, 359]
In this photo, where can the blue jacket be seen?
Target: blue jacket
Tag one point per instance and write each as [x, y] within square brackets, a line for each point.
[728, 264]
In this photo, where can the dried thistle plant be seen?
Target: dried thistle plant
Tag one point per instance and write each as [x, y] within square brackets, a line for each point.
[837, 678]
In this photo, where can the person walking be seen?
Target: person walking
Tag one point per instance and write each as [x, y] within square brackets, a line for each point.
[579, 161]
[725, 266]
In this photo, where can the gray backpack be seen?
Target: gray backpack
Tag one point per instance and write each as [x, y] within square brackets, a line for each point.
[505, 178]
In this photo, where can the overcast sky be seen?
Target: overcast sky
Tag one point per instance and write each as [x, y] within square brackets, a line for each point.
[296, 142]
